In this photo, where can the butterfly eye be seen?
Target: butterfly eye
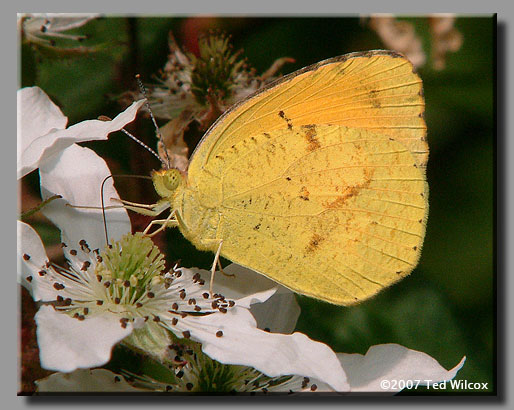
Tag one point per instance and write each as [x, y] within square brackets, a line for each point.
[166, 181]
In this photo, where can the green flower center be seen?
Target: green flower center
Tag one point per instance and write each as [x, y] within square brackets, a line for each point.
[129, 267]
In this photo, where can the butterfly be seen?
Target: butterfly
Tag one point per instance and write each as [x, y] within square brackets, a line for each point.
[316, 181]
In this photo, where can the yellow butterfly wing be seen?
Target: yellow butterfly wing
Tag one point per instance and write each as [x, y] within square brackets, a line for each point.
[375, 90]
[332, 212]
[318, 179]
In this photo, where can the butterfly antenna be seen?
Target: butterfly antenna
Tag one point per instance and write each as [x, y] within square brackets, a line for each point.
[103, 203]
[159, 136]
[103, 209]
[151, 151]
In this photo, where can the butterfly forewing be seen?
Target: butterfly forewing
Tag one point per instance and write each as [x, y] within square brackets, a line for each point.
[375, 90]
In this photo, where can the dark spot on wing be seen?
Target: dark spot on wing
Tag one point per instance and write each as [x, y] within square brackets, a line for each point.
[282, 115]
[304, 194]
[314, 243]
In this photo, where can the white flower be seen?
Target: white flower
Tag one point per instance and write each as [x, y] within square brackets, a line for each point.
[375, 372]
[42, 131]
[66, 169]
[187, 82]
[198, 373]
[42, 28]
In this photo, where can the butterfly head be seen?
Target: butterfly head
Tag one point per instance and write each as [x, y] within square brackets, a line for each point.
[167, 181]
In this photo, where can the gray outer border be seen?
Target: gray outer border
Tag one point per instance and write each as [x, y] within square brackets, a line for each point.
[505, 202]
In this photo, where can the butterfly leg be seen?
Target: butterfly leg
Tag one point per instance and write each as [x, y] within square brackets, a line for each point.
[216, 262]
[93, 207]
[150, 209]
[169, 222]
[145, 209]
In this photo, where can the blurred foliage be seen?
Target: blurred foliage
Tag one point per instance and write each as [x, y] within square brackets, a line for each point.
[446, 308]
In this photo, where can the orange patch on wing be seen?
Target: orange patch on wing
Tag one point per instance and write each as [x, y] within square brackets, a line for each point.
[349, 192]
[310, 135]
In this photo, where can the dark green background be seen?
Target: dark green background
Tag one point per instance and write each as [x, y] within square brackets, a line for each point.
[446, 307]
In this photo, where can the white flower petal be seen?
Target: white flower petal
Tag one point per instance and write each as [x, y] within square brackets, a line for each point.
[273, 354]
[392, 362]
[77, 174]
[242, 285]
[37, 115]
[86, 380]
[58, 21]
[43, 147]
[273, 306]
[66, 344]
[30, 244]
